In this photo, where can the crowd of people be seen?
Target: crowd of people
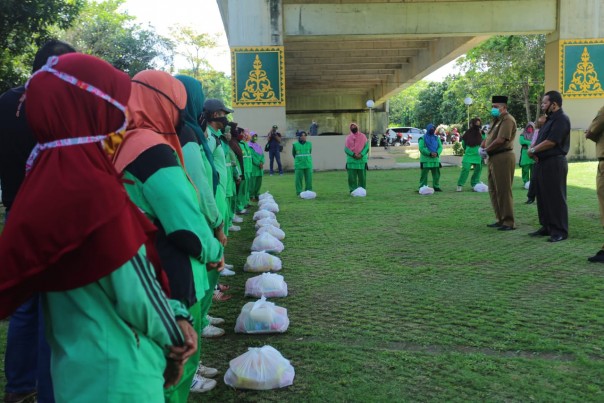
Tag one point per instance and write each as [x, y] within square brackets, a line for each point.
[121, 195]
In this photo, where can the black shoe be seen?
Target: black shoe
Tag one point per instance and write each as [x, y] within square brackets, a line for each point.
[530, 200]
[505, 228]
[557, 238]
[438, 190]
[540, 232]
[598, 257]
[495, 225]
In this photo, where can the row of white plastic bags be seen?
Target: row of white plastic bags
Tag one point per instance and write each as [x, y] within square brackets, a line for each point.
[263, 368]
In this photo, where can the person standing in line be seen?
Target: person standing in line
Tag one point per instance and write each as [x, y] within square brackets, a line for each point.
[302, 154]
[111, 329]
[530, 194]
[274, 149]
[356, 149]
[257, 167]
[243, 193]
[27, 357]
[471, 141]
[551, 169]
[595, 133]
[499, 147]
[526, 162]
[430, 148]
[314, 128]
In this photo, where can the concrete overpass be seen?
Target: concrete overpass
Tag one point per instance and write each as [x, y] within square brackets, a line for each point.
[340, 53]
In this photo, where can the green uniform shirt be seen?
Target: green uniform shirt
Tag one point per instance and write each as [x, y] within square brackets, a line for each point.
[302, 154]
[471, 154]
[352, 163]
[257, 159]
[247, 158]
[424, 154]
[219, 157]
[524, 158]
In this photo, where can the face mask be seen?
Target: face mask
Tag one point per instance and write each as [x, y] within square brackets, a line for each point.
[254, 139]
[302, 141]
[222, 119]
[495, 112]
[354, 130]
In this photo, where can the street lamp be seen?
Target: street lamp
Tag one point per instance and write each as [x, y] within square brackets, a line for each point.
[370, 104]
[468, 102]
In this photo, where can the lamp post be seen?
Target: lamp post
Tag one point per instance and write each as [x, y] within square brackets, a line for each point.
[468, 102]
[370, 104]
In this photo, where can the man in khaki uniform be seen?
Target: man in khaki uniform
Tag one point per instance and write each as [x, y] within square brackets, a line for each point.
[595, 133]
[499, 146]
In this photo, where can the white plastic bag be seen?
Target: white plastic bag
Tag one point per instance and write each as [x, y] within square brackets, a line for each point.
[266, 195]
[260, 214]
[481, 187]
[308, 194]
[262, 317]
[274, 231]
[527, 185]
[267, 221]
[260, 369]
[260, 262]
[268, 243]
[267, 284]
[359, 192]
[270, 206]
[425, 190]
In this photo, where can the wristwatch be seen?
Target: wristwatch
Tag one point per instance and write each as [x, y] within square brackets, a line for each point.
[532, 150]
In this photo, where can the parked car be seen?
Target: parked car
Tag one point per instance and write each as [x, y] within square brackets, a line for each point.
[406, 135]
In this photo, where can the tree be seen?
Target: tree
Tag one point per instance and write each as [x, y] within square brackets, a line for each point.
[194, 47]
[104, 31]
[402, 106]
[24, 26]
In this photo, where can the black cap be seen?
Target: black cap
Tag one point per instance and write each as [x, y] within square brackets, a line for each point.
[214, 105]
[499, 99]
[275, 127]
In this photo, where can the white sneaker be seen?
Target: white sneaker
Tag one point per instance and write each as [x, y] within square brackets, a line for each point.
[459, 188]
[206, 372]
[227, 272]
[229, 266]
[214, 321]
[201, 384]
[237, 219]
[244, 211]
[210, 332]
[234, 228]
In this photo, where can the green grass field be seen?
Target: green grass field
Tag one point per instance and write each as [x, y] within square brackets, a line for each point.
[401, 297]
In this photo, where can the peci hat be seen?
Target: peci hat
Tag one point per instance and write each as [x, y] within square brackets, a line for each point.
[275, 127]
[499, 99]
[214, 105]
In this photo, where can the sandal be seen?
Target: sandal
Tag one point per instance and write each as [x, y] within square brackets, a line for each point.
[223, 287]
[221, 297]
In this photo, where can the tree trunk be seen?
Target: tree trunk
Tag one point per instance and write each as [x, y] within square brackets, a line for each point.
[525, 94]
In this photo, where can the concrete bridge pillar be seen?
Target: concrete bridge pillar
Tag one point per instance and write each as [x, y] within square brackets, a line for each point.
[255, 24]
[574, 59]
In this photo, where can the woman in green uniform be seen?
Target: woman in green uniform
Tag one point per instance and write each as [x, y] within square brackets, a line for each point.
[302, 154]
[243, 194]
[356, 149]
[471, 141]
[257, 167]
[526, 162]
[430, 148]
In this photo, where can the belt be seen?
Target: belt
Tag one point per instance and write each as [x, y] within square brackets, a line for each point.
[499, 152]
[302, 155]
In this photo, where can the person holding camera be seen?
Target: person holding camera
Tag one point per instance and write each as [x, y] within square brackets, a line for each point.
[274, 147]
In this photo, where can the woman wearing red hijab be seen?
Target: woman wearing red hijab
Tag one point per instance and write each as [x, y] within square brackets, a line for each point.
[75, 235]
[357, 148]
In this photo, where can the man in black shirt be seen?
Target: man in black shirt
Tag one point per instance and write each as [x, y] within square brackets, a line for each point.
[551, 169]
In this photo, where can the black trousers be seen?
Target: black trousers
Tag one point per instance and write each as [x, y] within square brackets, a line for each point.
[550, 189]
[532, 185]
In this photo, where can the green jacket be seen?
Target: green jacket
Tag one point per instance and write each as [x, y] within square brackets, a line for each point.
[257, 159]
[524, 158]
[219, 157]
[352, 163]
[247, 158]
[424, 154]
[302, 154]
[471, 155]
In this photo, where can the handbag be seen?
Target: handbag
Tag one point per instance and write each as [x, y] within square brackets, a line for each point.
[267, 146]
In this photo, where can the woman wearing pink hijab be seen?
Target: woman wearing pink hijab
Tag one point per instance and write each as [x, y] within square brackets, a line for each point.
[357, 148]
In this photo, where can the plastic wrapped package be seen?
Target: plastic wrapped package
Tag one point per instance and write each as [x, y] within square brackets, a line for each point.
[260, 214]
[359, 192]
[274, 231]
[261, 262]
[269, 206]
[268, 243]
[426, 190]
[265, 196]
[481, 187]
[260, 369]
[308, 194]
[262, 317]
[267, 284]
[267, 221]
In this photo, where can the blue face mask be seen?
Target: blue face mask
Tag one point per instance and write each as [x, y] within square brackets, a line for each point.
[495, 112]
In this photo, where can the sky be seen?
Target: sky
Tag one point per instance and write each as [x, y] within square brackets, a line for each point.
[204, 15]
